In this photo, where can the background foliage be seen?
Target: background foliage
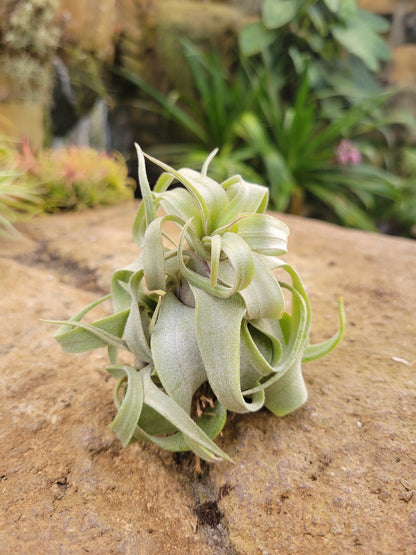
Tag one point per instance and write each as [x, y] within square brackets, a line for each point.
[295, 99]
[303, 85]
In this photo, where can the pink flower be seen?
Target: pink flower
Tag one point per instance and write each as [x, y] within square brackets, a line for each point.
[347, 153]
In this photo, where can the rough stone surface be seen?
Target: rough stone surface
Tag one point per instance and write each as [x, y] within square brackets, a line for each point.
[403, 70]
[385, 6]
[337, 476]
[90, 24]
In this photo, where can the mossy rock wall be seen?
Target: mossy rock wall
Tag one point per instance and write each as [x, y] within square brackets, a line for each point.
[205, 24]
[150, 36]
[136, 38]
[89, 24]
[19, 120]
[149, 45]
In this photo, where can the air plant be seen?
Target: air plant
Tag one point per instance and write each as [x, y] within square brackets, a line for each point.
[73, 177]
[202, 314]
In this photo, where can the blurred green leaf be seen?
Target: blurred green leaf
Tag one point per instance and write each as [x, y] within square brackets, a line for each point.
[360, 37]
[345, 8]
[254, 38]
[276, 13]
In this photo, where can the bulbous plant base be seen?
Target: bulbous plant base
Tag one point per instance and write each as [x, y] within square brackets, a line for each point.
[205, 309]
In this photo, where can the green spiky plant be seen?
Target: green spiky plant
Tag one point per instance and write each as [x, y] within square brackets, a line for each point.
[201, 313]
[18, 198]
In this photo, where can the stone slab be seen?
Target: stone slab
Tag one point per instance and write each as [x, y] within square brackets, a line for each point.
[67, 486]
[337, 476]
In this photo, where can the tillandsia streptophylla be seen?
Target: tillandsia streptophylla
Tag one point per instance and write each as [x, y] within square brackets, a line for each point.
[203, 306]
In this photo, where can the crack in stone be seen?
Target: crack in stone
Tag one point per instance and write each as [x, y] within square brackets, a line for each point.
[68, 269]
[211, 522]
